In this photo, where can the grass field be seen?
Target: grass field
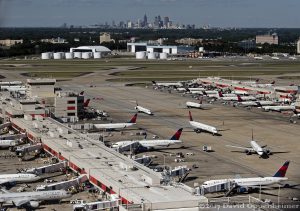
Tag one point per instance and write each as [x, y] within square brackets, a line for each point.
[148, 70]
[55, 74]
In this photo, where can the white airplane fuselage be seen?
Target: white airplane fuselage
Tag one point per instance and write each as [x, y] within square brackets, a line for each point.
[193, 105]
[195, 92]
[12, 198]
[150, 144]
[203, 127]
[113, 125]
[257, 148]
[19, 178]
[278, 108]
[248, 182]
[167, 84]
[143, 110]
[197, 89]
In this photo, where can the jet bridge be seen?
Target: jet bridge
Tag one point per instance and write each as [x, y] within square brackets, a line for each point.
[13, 137]
[145, 160]
[48, 169]
[227, 187]
[26, 149]
[133, 147]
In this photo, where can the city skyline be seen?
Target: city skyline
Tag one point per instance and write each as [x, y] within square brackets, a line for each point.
[217, 13]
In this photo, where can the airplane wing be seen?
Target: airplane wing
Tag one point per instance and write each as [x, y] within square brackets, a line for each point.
[4, 181]
[245, 148]
[20, 202]
[3, 190]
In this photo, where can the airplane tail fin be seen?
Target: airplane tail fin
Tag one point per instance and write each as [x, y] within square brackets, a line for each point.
[86, 103]
[177, 135]
[190, 114]
[204, 93]
[153, 82]
[81, 93]
[281, 172]
[273, 82]
[220, 94]
[239, 98]
[133, 119]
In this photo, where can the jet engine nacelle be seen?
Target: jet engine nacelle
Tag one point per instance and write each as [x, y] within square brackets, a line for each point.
[268, 152]
[242, 190]
[248, 152]
[34, 204]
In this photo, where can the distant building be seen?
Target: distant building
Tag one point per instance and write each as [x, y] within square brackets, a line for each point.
[105, 37]
[145, 21]
[55, 40]
[298, 46]
[166, 22]
[189, 41]
[247, 44]
[271, 39]
[9, 43]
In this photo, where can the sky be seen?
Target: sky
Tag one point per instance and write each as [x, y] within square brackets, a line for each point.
[216, 13]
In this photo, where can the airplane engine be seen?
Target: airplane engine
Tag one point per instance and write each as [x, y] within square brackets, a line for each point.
[268, 152]
[34, 204]
[248, 152]
[243, 190]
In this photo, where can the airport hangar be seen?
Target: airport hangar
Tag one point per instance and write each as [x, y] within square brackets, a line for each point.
[172, 50]
[102, 49]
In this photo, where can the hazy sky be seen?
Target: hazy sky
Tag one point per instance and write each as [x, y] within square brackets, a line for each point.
[223, 13]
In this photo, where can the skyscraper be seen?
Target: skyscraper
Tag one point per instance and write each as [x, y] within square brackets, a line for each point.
[145, 21]
[166, 22]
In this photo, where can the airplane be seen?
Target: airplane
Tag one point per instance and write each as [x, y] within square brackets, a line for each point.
[235, 98]
[239, 92]
[190, 104]
[255, 148]
[250, 82]
[258, 103]
[142, 109]
[211, 94]
[198, 127]
[8, 143]
[197, 92]
[167, 84]
[275, 57]
[152, 144]
[32, 199]
[258, 58]
[279, 108]
[181, 89]
[86, 103]
[12, 87]
[112, 126]
[17, 178]
[254, 182]
[264, 85]
[196, 89]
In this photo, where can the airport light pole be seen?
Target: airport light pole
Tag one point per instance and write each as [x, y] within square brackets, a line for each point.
[260, 192]
[278, 199]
